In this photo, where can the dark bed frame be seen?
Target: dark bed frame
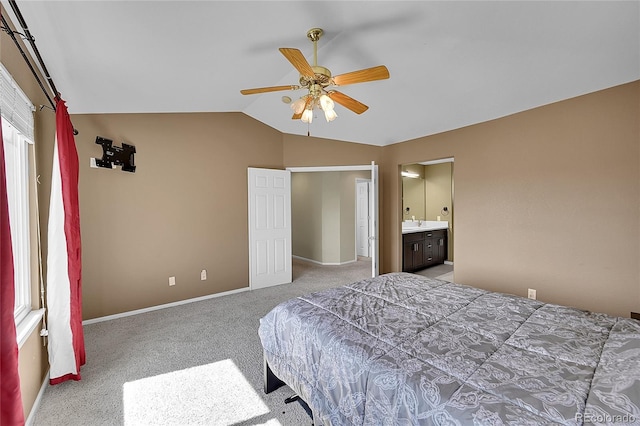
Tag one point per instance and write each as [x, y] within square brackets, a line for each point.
[272, 382]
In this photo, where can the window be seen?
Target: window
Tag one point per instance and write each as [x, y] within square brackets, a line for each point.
[17, 134]
[16, 156]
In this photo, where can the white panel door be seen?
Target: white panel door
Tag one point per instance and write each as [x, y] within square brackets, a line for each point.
[269, 227]
[362, 218]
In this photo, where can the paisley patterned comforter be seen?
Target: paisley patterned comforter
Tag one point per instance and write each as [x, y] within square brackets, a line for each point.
[402, 349]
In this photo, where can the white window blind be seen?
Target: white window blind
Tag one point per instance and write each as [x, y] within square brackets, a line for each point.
[15, 107]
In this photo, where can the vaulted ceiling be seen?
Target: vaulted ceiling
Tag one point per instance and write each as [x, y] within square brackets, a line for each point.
[452, 64]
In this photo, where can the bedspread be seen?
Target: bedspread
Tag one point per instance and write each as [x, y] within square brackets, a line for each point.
[402, 349]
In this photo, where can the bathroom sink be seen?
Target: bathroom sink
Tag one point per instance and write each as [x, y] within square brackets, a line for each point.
[427, 225]
[412, 228]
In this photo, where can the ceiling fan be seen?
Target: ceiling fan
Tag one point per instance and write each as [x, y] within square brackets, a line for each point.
[319, 83]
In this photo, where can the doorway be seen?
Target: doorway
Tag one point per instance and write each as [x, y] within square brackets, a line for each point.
[428, 198]
[269, 192]
[329, 202]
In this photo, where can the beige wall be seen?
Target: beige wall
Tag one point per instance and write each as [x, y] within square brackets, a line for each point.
[306, 215]
[323, 214]
[183, 210]
[33, 364]
[545, 199]
[301, 151]
[330, 218]
[438, 185]
[348, 207]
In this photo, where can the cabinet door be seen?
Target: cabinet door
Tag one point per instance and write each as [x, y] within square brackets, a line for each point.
[412, 256]
[441, 249]
[418, 255]
[407, 256]
[412, 251]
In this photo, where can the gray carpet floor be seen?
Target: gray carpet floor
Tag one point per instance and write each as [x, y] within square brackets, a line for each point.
[194, 364]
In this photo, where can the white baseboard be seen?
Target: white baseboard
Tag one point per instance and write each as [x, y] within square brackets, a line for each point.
[324, 263]
[446, 262]
[36, 403]
[166, 305]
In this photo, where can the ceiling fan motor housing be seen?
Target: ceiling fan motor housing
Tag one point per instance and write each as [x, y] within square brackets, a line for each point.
[322, 77]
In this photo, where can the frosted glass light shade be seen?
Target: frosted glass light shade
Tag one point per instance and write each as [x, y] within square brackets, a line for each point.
[307, 116]
[298, 105]
[330, 115]
[326, 103]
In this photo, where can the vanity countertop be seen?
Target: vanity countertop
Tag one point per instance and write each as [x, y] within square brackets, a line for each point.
[426, 225]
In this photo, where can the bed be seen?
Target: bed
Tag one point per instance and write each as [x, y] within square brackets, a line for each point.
[403, 349]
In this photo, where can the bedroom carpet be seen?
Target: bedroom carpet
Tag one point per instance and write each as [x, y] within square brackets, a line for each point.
[194, 364]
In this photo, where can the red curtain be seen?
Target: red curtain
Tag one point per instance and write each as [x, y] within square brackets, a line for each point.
[10, 397]
[64, 261]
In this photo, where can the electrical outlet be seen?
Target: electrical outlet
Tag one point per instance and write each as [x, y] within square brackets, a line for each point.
[203, 275]
[172, 280]
[531, 294]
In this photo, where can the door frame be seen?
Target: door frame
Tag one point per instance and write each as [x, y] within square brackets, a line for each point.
[360, 181]
[373, 203]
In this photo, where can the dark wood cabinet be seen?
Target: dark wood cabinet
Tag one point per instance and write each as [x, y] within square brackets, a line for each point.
[423, 249]
[412, 251]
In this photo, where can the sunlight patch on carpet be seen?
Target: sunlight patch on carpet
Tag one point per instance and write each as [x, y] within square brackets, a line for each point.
[212, 394]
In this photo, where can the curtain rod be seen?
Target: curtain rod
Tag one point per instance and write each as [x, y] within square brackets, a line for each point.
[12, 34]
[32, 41]
[27, 35]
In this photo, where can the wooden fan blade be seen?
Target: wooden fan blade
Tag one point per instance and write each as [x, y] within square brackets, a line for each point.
[306, 104]
[267, 89]
[348, 102]
[370, 74]
[298, 60]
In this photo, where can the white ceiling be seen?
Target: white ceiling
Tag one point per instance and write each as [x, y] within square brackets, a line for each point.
[452, 64]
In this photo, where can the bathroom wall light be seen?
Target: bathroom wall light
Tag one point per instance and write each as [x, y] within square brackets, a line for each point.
[405, 173]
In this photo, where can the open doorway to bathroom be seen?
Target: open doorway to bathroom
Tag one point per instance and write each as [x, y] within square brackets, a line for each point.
[428, 218]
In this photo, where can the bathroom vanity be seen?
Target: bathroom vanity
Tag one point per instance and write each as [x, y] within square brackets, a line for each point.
[424, 244]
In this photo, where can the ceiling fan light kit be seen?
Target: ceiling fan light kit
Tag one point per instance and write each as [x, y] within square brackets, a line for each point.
[318, 82]
[305, 105]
